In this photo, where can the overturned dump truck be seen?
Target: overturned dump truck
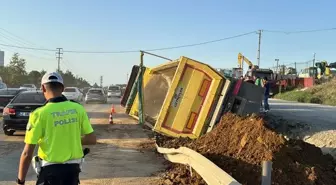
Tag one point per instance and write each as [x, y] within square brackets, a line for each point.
[186, 98]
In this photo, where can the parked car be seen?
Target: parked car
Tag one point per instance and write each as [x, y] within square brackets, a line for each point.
[28, 87]
[95, 95]
[16, 113]
[73, 93]
[114, 91]
[6, 95]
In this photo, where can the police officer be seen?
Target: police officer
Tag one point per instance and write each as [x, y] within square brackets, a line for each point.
[60, 128]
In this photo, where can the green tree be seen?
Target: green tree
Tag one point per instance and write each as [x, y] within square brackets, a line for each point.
[15, 74]
[34, 77]
[95, 85]
[17, 70]
[43, 72]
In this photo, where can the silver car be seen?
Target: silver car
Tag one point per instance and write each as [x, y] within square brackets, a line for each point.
[95, 95]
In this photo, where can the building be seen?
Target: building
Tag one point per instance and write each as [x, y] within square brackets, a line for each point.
[2, 58]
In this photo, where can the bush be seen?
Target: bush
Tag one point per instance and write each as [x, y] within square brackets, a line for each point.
[319, 94]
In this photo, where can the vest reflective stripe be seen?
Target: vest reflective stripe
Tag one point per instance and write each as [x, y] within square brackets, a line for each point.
[75, 161]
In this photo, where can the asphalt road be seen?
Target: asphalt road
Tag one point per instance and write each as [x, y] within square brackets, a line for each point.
[116, 159]
[319, 118]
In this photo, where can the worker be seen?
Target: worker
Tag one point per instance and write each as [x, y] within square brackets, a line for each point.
[258, 81]
[266, 94]
[60, 127]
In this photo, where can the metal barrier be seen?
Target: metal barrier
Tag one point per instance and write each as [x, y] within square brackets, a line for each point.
[211, 174]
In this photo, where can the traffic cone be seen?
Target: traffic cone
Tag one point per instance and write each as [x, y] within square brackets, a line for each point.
[111, 119]
[111, 115]
[113, 110]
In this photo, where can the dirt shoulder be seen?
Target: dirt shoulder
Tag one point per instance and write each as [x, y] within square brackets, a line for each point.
[117, 158]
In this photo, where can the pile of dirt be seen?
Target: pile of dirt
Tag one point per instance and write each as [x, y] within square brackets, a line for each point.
[239, 145]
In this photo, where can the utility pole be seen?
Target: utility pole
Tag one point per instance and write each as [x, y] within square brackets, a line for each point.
[101, 81]
[59, 52]
[314, 60]
[259, 42]
[277, 65]
[127, 78]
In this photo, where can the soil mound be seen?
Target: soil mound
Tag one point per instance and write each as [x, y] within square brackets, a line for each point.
[239, 145]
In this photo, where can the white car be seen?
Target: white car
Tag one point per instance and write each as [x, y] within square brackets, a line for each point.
[114, 90]
[73, 93]
[29, 87]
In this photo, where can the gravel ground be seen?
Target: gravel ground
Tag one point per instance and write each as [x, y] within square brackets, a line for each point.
[313, 123]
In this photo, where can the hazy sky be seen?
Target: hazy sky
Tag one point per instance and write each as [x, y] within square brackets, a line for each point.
[112, 25]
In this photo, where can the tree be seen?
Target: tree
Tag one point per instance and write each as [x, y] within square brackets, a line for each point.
[95, 85]
[15, 74]
[17, 70]
[35, 77]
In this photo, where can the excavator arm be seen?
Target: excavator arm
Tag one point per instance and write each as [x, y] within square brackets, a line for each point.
[241, 59]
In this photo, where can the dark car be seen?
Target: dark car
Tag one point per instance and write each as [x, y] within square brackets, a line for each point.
[6, 95]
[16, 113]
[95, 95]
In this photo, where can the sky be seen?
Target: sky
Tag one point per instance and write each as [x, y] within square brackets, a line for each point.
[119, 25]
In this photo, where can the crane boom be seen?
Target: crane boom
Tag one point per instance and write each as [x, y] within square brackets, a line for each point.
[241, 59]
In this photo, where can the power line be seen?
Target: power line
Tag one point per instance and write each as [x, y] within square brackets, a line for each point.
[12, 35]
[20, 41]
[132, 51]
[202, 43]
[302, 31]
[24, 50]
[30, 48]
[167, 48]
[295, 63]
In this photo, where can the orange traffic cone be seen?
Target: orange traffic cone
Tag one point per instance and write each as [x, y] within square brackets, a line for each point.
[111, 115]
[113, 110]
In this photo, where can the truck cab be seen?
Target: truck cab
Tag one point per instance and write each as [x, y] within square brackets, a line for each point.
[261, 73]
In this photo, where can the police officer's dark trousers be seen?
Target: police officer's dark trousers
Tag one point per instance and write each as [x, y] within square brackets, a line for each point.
[59, 174]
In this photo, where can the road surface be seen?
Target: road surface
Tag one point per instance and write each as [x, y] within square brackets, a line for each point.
[114, 160]
[319, 118]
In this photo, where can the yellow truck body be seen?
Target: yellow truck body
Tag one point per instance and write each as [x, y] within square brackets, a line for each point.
[180, 97]
[189, 103]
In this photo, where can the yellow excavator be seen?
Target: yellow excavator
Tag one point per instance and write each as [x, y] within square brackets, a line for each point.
[324, 71]
[254, 70]
[241, 59]
[239, 71]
